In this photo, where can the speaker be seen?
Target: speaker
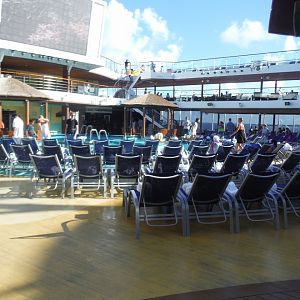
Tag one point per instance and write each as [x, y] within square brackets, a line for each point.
[296, 18]
[285, 17]
[287, 103]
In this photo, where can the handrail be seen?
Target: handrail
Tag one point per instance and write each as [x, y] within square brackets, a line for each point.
[167, 66]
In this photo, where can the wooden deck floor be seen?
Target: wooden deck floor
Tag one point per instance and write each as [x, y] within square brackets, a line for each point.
[86, 249]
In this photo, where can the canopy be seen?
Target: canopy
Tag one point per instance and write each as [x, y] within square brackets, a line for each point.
[16, 89]
[150, 100]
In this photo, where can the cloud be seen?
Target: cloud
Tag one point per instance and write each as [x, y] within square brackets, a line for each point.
[140, 35]
[290, 44]
[243, 35]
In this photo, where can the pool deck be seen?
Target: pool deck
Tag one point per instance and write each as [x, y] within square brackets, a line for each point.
[85, 248]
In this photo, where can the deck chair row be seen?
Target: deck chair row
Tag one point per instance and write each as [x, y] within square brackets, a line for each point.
[212, 199]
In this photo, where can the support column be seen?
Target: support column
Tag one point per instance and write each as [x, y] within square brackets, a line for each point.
[27, 111]
[201, 121]
[202, 91]
[125, 124]
[261, 84]
[168, 127]
[274, 118]
[67, 75]
[1, 59]
[259, 122]
[1, 119]
[220, 89]
[152, 121]
[173, 91]
[47, 110]
[218, 120]
[130, 121]
[155, 88]
[275, 90]
[144, 122]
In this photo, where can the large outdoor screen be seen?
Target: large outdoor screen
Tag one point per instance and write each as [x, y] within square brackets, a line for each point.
[56, 24]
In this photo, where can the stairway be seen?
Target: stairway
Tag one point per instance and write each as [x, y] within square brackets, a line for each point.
[149, 118]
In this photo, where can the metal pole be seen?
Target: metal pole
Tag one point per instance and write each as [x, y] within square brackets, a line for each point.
[273, 125]
[27, 111]
[125, 122]
[201, 120]
[144, 122]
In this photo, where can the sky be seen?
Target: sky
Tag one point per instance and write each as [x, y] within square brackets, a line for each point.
[173, 30]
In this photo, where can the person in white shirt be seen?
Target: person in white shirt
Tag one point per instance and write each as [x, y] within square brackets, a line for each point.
[18, 128]
[195, 127]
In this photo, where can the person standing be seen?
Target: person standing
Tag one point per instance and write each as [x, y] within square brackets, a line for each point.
[230, 127]
[72, 128]
[126, 64]
[18, 128]
[221, 128]
[240, 135]
[186, 126]
[264, 134]
[194, 128]
[30, 132]
[44, 127]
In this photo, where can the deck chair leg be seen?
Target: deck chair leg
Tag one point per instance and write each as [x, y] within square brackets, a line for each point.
[137, 223]
[276, 219]
[72, 187]
[63, 189]
[186, 219]
[10, 170]
[237, 217]
[104, 188]
[285, 217]
[231, 218]
[112, 189]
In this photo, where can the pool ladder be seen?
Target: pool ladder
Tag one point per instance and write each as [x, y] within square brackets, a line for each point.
[102, 132]
[94, 133]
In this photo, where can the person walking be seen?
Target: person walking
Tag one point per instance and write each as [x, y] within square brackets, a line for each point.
[240, 135]
[72, 128]
[18, 128]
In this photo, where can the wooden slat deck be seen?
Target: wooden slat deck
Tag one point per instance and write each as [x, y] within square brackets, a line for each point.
[86, 249]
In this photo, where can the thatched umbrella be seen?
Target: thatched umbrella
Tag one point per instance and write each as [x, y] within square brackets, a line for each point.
[148, 101]
[11, 88]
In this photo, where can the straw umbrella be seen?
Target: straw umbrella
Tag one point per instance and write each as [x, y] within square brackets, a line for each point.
[11, 88]
[148, 101]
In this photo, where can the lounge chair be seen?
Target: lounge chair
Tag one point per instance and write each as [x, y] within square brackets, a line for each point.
[89, 175]
[156, 202]
[48, 172]
[207, 202]
[253, 199]
[127, 172]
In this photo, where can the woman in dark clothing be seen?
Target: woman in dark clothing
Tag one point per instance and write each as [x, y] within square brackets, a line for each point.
[240, 135]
